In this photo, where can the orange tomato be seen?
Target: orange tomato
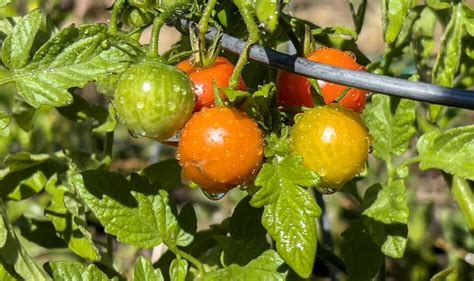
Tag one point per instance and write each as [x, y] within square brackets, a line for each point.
[295, 90]
[220, 148]
[220, 72]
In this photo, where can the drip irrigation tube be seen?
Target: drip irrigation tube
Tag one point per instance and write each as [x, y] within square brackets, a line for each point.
[392, 86]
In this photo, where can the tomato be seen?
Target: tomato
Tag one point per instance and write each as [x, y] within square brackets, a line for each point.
[154, 100]
[333, 142]
[220, 72]
[137, 17]
[295, 90]
[220, 148]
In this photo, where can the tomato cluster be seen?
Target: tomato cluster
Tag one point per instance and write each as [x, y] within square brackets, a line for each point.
[221, 147]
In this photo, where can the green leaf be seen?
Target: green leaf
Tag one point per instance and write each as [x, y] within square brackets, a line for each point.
[391, 132]
[278, 145]
[450, 151]
[245, 222]
[110, 123]
[178, 270]
[144, 271]
[267, 13]
[24, 160]
[13, 254]
[135, 211]
[359, 16]
[468, 16]
[386, 216]
[17, 47]
[336, 30]
[166, 173]
[5, 120]
[5, 275]
[439, 4]
[72, 228]
[4, 3]
[264, 267]
[362, 256]
[260, 106]
[290, 211]
[67, 270]
[464, 196]
[449, 56]
[241, 252]
[394, 14]
[72, 58]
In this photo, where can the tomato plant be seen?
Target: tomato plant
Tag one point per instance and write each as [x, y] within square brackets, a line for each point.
[302, 179]
[333, 142]
[203, 78]
[220, 148]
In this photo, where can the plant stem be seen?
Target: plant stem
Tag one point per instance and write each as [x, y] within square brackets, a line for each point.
[245, 10]
[203, 25]
[109, 143]
[157, 25]
[173, 248]
[7, 80]
[113, 25]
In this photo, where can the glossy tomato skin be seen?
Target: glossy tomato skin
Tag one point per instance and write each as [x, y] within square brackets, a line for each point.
[333, 142]
[220, 72]
[295, 90]
[220, 148]
[154, 100]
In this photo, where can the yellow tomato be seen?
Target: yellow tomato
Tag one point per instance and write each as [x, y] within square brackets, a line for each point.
[333, 142]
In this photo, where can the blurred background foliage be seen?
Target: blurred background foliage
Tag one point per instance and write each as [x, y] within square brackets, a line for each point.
[438, 236]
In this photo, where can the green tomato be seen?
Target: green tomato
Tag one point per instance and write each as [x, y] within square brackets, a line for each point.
[137, 17]
[154, 100]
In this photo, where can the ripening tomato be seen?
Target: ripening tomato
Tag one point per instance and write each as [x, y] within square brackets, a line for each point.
[220, 148]
[333, 142]
[295, 90]
[154, 100]
[220, 72]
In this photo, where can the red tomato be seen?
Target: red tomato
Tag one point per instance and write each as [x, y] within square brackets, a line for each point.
[220, 148]
[220, 72]
[295, 90]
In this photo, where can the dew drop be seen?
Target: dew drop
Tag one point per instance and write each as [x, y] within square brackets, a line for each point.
[214, 196]
[140, 105]
[176, 88]
[171, 106]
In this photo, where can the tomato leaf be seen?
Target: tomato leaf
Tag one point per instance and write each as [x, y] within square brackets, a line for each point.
[144, 271]
[359, 15]
[439, 4]
[178, 270]
[267, 13]
[449, 56]
[135, 211]
[167, 173]
[464, 196]
[394, 14]
[468, 16]
[449, 274]
[265, 267]
[4, 120]
[450, 151]
[4, 3]
[16, 51]
[12, 253]
[72, 58]
[391, 132]
[69, 270]
[70, 226]
[387, 217]
[362, 256]
[290, 211]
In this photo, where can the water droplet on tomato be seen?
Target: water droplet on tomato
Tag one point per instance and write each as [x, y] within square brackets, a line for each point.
[140, 105]
[176, 88]
[171, 106]
[214, 196]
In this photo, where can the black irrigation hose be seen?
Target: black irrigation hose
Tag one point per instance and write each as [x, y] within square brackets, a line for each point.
[375, 83]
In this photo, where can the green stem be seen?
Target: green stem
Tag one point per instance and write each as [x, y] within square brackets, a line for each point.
[245, 9]
[7, 80]
[155, 32]
[109, 143]
[407, 162]
[464, 197]
[308, 41]
[203, 24]
[187, 256]
[113, 25]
